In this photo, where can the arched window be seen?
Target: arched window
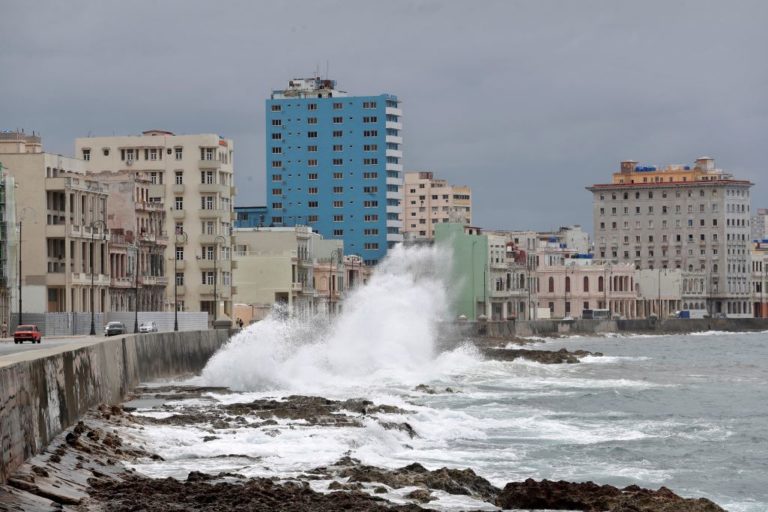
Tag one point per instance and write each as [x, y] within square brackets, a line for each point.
[600, 284]
[567, 284]
[586, 284]
[551, 285]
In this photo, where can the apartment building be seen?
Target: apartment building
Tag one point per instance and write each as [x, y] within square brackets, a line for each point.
[334, 163]
[193, 176]
[760, 224]
[693, 218]
[760, 279]
[429, 201]
[138, 241]
[61, 218]
[8, 248]
[251, 217]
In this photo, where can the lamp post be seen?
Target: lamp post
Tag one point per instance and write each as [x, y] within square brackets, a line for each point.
[136, 289]
[216, 277]
[179, 239]
[103, 227]
[336, 254]
[21, 220]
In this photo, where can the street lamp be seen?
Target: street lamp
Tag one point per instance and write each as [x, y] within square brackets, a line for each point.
[136, 289]
[93, 226]
[216, 277]
[338, 255]
[21, 219]
[179, 239]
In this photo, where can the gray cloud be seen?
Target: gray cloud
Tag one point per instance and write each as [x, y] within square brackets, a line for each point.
[526, 101]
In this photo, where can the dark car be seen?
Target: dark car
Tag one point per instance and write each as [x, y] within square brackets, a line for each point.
[27, 333]
[114, 328]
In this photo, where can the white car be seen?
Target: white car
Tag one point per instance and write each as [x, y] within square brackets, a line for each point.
[148, 327]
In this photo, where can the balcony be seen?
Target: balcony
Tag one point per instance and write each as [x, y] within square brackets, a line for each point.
[216, 213]
[149, 206]
[153, 280]
[178, 264]
[212, 188]
[296, 287]
[207, 264]
[208, 164]
[55, 230]
[121, 282]
[178, 214]
[180, 290]
[177, 188]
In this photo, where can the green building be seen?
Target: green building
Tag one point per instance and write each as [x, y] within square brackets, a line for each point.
[469, 250]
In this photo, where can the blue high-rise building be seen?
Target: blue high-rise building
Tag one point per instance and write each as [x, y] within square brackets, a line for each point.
[334, 164]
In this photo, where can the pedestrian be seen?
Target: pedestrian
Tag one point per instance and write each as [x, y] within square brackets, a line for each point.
[4, 330]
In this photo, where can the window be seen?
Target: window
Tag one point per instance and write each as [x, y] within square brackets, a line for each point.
[338, 147]
[567, 284]
[370, 190]
[311, 106]
[312, 149]
[277, 177]
[180, 278]
[207, 177]
[338, 204]
[551, 286]
[337, 133]
[371, 218]
[179, 152]
[338, 120]
[277, 150]
[276, 108]
[370, 133]
[178, 203]
[179, 177]
[312, 190]
[311, 120]
[312, 176]
[371, 246]
[179, 228]
[338, 232]
[312, 204]
[338, 106]
[179, 253]
[586, 283]
[338, 161]
[277, 191]
[370, 161]
[369, 104]
[370, 147]
[312, 162]
[277, 206]
[86, 154]
[277, 163]
[312, 135]
[371, 204]
[338, 190]
[311, 218]
[338, 175]
[338, 218]
[207, 202]
[207, 277]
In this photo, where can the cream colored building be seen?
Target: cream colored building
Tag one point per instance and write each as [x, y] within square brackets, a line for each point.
[193, 175]
[429, 201]
[62, 212]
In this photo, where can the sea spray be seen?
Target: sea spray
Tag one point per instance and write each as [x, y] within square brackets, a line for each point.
[387, 333]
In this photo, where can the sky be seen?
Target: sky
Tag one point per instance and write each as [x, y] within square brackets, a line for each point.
[528, 102]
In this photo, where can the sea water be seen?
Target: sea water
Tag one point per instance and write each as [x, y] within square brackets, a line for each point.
[689, 412]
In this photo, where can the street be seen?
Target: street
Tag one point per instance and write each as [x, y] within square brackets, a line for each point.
[7, 346]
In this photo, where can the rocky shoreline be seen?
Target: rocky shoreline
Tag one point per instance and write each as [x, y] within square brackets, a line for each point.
[87, 467]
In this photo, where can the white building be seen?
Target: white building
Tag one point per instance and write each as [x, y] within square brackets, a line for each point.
[194, 176]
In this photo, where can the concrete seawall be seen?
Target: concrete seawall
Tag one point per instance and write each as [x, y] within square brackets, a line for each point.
[511, 329]
[43, 392]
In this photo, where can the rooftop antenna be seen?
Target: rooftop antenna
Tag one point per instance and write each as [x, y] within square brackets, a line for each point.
[327, 65]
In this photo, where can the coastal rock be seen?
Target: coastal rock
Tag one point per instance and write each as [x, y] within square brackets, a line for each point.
[591, 497]
[539, 356]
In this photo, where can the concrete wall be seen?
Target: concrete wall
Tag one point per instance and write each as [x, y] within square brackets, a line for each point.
[43, 392]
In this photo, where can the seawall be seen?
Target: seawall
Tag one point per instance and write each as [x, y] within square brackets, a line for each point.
[43, 392]
[524, 328]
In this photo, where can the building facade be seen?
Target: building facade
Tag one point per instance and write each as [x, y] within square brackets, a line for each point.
[61, 219]
[138, 241]
[334, 163]
[193, 176]
[469, 249]
[8, 254]
[251, 217]
[429, 201]
[694, 218]
[760, 224]
[760, 278]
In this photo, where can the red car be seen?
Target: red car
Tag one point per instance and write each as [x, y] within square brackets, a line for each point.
[27, 333]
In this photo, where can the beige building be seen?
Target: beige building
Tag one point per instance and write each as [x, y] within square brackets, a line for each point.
[193, 176]
[429, 201]
[138, 241]
[760, 279]
[62, 216]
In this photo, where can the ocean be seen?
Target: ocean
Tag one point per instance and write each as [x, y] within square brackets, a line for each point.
[689, 412]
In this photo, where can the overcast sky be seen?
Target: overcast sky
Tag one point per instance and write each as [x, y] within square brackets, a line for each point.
[527, 102]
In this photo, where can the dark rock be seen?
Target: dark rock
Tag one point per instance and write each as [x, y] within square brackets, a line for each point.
[591, 497]
[420, 495]
[39, 471]
[210, 438]
[338, 486]
[539, 356]
[423, 388]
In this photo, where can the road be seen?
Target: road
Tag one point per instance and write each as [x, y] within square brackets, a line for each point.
[7, 346]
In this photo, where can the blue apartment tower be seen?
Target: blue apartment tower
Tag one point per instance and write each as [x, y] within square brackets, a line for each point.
[334, 164]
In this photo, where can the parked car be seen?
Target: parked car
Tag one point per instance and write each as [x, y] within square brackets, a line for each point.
[148, 327]
[114, 328]
[27, 332]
